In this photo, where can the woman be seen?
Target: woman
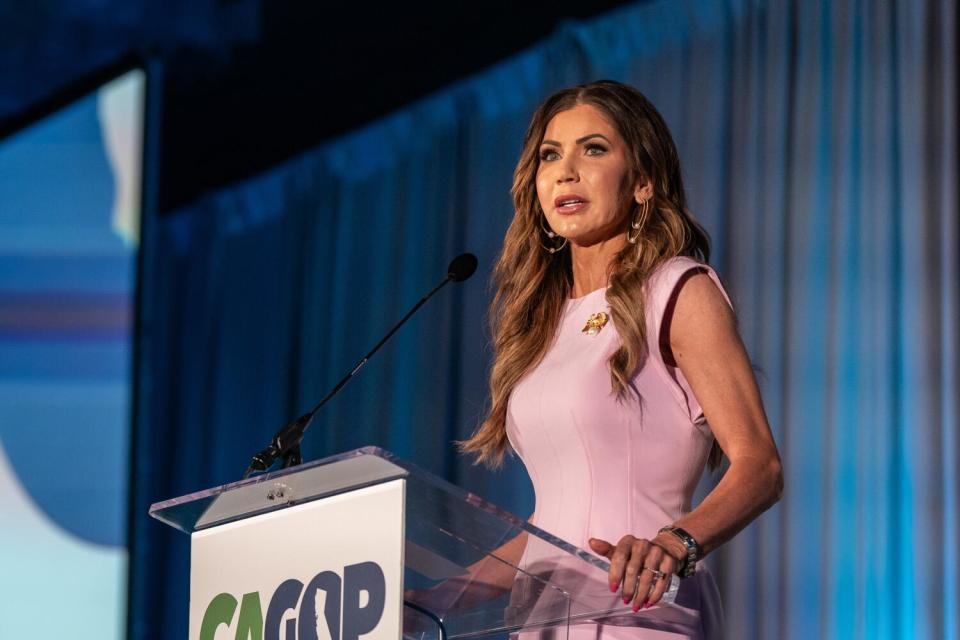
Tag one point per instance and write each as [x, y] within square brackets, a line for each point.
[618, 369]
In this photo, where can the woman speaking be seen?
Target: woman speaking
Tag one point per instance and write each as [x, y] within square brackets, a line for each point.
[618, 373]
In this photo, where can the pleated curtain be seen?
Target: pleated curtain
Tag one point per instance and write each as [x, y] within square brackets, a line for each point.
[819, 147]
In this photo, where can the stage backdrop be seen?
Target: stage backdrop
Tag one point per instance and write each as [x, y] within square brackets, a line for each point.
[819, 148]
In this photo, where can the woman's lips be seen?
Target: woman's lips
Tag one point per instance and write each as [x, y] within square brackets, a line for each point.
[570, 203]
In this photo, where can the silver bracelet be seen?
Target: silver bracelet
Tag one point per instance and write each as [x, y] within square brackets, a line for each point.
[689, 564]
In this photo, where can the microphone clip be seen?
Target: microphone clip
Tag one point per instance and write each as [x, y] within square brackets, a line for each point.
[285, 444]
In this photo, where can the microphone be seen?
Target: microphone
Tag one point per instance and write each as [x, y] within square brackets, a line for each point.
[461, 267]
[286, 443]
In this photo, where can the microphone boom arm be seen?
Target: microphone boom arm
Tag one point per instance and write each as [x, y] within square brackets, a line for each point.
[286, 442]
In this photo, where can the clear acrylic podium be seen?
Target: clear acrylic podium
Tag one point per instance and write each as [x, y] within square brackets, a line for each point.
[453, 567]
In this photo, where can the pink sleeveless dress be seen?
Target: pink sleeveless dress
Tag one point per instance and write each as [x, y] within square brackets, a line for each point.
[603, 467]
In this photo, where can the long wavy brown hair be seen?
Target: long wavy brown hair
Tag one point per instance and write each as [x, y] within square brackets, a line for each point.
[533, 284]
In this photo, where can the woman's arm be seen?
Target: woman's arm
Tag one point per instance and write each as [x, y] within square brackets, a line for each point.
[488, 578]
[499, 567]
[708, 350]
[705, 345]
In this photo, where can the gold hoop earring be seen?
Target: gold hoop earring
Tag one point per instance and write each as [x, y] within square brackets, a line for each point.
[638, 224]
[550, 234]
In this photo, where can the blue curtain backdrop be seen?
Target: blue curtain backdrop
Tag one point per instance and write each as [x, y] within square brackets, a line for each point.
[819, 148]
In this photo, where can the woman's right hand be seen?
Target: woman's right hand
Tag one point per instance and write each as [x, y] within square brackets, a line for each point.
[641, 568]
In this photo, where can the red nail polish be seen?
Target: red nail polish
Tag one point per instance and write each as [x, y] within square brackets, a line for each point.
[626, 601]
[636, 608]
[647, 605]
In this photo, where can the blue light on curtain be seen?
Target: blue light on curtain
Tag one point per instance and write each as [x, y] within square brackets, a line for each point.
[819, 148]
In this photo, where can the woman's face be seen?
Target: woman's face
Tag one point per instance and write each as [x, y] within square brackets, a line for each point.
[582, 177]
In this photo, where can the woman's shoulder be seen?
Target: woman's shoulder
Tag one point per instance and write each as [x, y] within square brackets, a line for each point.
[669, 277]
[668, 274]
[677, 264]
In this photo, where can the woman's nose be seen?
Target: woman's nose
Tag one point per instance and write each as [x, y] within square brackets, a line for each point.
[568, 171]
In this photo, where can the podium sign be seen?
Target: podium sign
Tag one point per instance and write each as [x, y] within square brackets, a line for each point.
[326, 569]
[365, 545]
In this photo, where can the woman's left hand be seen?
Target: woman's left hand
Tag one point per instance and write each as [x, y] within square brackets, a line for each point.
[642, 567]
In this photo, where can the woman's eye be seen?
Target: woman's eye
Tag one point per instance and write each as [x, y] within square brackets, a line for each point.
[548, 155]
[595, 149]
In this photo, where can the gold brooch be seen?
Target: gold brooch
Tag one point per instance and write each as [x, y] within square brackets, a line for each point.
[595, 323]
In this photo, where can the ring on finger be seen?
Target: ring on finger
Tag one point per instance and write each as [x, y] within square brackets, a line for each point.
[657, 575]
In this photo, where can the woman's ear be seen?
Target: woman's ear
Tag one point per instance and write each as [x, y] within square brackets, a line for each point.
[643, 191]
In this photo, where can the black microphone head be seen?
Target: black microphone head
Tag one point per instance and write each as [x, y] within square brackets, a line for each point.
[462, 267]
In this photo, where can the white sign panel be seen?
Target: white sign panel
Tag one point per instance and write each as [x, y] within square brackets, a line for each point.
[330, 569]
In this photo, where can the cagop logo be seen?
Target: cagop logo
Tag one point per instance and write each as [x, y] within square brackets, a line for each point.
[344, 613]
